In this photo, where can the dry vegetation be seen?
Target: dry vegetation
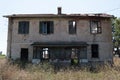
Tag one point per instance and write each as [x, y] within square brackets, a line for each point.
[10, 71]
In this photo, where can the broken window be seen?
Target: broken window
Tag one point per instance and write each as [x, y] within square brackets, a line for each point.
[72, 27]
[74, 56]
[40, 53]
[94, 49]
[23, 27]
[95, 27]
[74, 53]
[45, 53]
[46, 27]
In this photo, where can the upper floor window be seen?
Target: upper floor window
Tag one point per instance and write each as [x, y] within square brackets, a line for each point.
[46, 27]
[95, 27]
[23, 27]
[72, 27]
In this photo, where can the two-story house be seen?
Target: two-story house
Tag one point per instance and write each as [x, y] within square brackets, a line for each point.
[63, 37]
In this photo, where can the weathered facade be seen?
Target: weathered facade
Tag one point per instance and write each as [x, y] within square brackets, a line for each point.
[63, 37]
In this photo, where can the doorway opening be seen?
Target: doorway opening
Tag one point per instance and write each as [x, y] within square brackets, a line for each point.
[24, 54]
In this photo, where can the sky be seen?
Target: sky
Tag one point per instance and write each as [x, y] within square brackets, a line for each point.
[8, 7]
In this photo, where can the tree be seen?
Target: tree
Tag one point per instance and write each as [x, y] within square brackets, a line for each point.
[116, 34]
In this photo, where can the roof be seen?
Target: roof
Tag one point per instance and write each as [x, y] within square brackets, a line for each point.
[59, 44]
[57, 15]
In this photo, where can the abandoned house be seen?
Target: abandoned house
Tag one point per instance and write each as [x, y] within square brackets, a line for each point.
[63, 37]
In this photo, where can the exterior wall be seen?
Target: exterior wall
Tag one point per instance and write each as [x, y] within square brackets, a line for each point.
[61, 34]
[9, 40]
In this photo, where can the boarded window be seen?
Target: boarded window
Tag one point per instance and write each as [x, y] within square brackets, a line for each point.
[72, 27]
[46, 27]
[95, 51]
[23, 27]
[95, 27]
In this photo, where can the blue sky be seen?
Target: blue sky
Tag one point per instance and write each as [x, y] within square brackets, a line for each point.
[8, 7]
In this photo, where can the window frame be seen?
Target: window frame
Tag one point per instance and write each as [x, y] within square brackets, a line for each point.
[45, 29]
[23, 27]
[99, 27]
[72, 29]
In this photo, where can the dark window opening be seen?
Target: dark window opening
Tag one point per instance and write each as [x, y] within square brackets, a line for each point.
[46, 27]
[95, 51]
[83, 53]
[24, 54]
[60, 53]
[23, 27]
[37, 52]
[72, 27]
[95, 27]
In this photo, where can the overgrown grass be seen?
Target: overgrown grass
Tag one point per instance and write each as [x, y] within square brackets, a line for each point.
[10, 71]
[2, 56]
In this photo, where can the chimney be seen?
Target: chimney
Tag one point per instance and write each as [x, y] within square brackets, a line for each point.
[59, 11]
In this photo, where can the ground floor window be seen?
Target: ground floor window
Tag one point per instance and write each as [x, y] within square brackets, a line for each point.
[36, 52]
[74, 53]
[83, 53]
[95, 50]
[61, 53]
[45, 53]
[40, 53]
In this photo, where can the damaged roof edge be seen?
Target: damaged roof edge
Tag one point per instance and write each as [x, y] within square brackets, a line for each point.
[61, 15]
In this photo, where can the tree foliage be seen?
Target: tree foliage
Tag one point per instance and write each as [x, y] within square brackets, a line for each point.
[116, 32]
[116, 35]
